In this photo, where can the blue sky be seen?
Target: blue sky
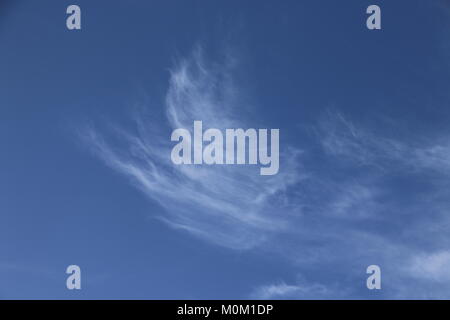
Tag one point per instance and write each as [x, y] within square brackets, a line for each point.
[86, 177]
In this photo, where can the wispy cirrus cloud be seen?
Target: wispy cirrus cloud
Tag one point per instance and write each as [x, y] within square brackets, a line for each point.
[342, 138]
[314, 217]
[433, 266]
[280, 290]
[370, 216]
[231, 206]
[301, 289]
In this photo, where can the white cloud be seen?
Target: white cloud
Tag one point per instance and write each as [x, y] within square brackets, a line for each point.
[319, 220]
[431, 266]
[300, 290]
[354, 200]
[280, 290]
[340, 137]
[230, 205]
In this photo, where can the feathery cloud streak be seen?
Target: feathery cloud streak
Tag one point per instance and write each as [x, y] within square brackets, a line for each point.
[228, 205]
[315, 220]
